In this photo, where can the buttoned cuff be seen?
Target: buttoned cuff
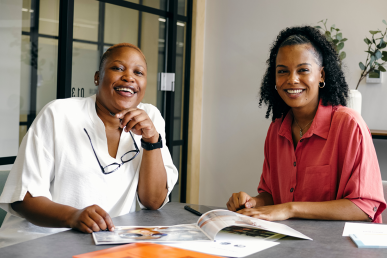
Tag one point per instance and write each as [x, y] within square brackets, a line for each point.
[372, 208]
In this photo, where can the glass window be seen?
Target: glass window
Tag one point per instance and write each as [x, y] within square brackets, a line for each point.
[158, 4]
[182, 7]
[49, 17]
[86, 20]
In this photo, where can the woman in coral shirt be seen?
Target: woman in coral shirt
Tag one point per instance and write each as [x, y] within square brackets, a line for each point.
[320, 162]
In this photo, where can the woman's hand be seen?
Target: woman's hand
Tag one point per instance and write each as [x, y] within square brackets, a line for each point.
[270, 212]
[89, 219]
[241, 200]
[139, 122]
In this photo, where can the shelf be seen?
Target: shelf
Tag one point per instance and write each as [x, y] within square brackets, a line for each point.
[379, 134]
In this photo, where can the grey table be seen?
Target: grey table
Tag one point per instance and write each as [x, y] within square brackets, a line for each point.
[327, 239]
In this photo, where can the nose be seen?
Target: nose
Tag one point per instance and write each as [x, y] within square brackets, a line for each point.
[293, 78]
[128, 77]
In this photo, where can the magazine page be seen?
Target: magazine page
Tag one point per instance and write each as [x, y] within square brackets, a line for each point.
[234, 241]
[214, 221]
[155, 234]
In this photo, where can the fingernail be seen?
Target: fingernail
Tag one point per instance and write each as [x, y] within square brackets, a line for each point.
[112, 229]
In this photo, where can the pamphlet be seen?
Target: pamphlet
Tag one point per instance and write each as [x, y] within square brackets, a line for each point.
[364, 228]
[206, 228]
[369, 240]
[143, 250]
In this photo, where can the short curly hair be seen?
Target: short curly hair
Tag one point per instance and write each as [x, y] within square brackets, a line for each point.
[336, 90]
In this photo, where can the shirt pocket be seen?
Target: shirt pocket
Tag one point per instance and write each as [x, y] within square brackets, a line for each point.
[317, 186]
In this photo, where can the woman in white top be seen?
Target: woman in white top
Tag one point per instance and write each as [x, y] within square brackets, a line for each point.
[85, 160]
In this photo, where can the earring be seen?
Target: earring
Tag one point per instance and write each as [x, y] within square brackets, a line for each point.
[275, 86]
[321, 85]
[96, 82]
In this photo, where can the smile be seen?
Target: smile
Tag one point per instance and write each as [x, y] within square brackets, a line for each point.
[293, 91]
[125, 89]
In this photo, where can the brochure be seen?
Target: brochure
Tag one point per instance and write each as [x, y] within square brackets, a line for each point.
[206, 228]
[369, 240]
[143, 250]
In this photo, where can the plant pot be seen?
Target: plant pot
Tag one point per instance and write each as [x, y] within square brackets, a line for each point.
[354, 100]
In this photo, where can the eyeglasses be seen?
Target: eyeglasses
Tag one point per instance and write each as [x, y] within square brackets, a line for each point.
[128, 156]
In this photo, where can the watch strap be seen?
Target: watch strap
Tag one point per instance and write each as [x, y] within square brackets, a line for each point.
[152, 146]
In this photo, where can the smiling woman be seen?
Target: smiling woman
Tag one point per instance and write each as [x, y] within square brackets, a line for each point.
[320, 162]
[79, 163]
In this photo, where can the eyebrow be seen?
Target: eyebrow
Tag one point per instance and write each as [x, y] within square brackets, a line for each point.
[122, 63]
[297, 65]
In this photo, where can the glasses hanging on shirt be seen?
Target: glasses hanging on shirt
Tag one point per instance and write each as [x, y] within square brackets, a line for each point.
[128, 156]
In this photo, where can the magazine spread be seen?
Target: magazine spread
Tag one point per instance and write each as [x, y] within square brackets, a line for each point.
[206, 228]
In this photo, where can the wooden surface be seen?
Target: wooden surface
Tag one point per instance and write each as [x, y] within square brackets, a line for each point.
[379, 132]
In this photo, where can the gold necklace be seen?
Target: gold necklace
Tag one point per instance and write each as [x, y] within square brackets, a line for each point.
[304, 126]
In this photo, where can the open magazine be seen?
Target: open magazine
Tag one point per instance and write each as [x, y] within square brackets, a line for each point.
[205, 229]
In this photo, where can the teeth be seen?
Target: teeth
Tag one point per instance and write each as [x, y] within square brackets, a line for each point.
[125, 89]
[294, 91]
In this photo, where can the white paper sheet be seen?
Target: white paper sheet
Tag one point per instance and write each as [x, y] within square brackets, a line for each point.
[364, 228]
[239, 246]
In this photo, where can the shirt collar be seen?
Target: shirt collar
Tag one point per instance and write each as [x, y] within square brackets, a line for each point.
[320, 125]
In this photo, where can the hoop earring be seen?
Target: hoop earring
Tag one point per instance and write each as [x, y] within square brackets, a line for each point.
[323, 85]
[275, 86]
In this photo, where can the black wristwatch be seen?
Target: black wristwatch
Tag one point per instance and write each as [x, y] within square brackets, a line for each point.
[151, 146]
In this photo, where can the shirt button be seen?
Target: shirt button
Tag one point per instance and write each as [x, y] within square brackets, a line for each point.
[294, 164]
[291, 190]
[301, 140]
[375, 209]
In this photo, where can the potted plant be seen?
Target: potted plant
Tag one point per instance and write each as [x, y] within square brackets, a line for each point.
[336, 39]
[376, 59]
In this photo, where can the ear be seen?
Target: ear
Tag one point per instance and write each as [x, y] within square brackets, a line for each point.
[323, 73]
[96, 78]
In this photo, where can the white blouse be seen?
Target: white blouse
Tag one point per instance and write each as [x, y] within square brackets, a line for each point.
[56, 160]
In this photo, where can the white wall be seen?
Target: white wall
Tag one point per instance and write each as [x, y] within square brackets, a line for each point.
[10, 54]
[237, 41]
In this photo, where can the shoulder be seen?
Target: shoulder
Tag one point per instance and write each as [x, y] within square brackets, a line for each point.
[67, 105]
[348, 120]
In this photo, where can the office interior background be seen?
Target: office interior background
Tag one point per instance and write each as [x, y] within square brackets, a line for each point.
[218, 51]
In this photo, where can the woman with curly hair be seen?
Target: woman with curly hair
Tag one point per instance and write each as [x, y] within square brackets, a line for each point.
[320, 162]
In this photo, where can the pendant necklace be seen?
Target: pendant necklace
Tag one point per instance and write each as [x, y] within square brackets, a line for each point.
[304, 126]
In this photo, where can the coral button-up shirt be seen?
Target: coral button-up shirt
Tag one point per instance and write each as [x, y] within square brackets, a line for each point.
[335, 159]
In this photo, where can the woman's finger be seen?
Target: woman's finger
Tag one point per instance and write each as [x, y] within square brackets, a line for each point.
[106, 217]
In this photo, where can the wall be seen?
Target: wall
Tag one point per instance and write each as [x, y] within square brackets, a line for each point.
[237, 40]
[10, 52]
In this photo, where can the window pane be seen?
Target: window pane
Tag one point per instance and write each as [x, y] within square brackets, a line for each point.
[85, 64]
[158, 4]
[175, 194]
[121, 25]
[182, 7]
[49, 17]
[179, 82]
[26, 15]
[86, 19]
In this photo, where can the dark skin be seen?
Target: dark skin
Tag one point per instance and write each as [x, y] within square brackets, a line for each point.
[121, 87]
[297, 79]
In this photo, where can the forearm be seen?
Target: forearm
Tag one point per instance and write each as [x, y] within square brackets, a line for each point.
[342, 209]
[43, 212]
[152, 185]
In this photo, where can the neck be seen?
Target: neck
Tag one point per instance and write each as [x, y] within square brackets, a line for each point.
[103, 113]
[304, 115]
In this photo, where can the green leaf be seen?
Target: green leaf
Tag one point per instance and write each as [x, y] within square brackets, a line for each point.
[369, 52]
[333, 26]
[362, 67]
[340, 46]
[328, 33]
[378, 55]
[384, 22]
[381, 68]
[337, 29]
[344, 39]
[317, 27]
[342, 55]
[339, 36]
[383, 45]
[335, 41]
[373, 32]
[321, 21]
[372, 60]
[367, 41]
[384, 56]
